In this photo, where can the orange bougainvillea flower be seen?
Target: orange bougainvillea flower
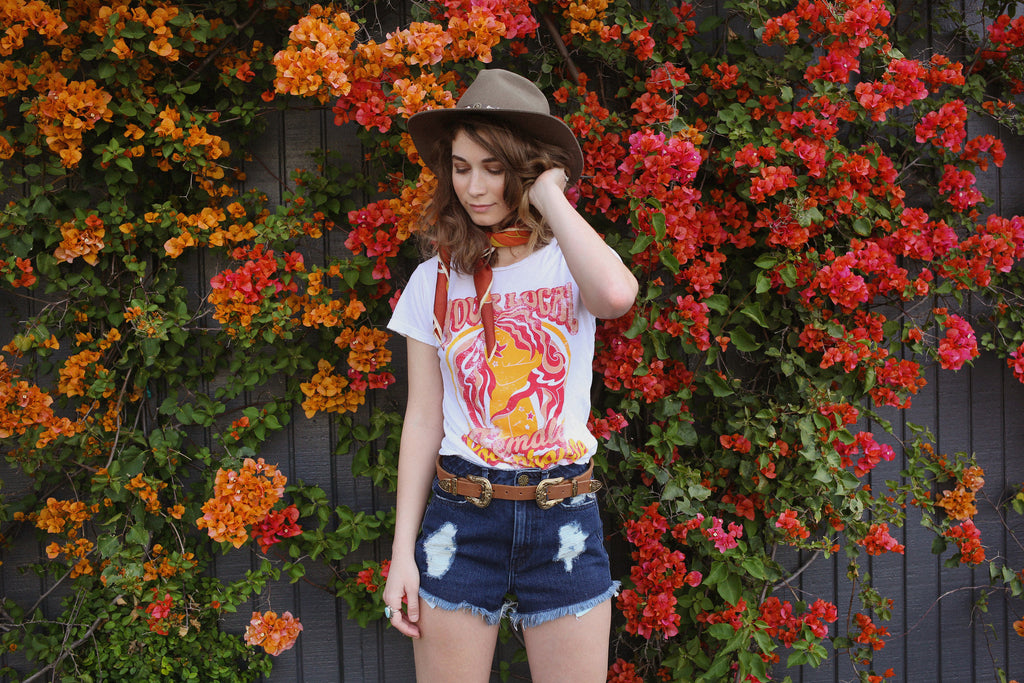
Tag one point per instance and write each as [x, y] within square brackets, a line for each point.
[326, 392]
[85, 241]
[240, 499]
[958, 503]
[273, 633]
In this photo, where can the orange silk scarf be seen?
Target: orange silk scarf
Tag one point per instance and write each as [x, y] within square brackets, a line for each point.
[482, 278]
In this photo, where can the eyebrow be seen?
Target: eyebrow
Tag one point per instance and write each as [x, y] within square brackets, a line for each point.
[488, 160]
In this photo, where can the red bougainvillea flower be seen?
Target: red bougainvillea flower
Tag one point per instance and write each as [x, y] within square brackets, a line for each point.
[277, 525]
[968, 538]
[879, 541]
[959, 344]
[158, 611]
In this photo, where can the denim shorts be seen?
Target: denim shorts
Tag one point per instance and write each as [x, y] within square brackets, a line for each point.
[513, 558]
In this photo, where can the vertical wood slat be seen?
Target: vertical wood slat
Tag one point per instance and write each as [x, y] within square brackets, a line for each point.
[919, 631]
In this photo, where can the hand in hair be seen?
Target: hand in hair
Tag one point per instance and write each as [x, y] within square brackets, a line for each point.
[551, 179]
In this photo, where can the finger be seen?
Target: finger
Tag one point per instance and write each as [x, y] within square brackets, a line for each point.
[407, 628]
[413, 607]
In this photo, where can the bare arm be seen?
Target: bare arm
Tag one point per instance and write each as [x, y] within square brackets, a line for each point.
[421, 439]
[607, 287]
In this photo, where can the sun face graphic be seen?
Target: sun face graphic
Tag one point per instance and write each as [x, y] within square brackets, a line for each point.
[512, 410]
[514, 400]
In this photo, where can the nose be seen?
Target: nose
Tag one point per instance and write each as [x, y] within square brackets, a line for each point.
[477, 186]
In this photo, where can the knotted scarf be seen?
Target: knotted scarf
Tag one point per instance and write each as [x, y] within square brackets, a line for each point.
[482, 278]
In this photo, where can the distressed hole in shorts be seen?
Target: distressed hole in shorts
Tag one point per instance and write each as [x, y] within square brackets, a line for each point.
[571, 544]
[440, 549]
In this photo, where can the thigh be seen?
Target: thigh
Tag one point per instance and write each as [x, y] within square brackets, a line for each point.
[453, 646]
[571, 649]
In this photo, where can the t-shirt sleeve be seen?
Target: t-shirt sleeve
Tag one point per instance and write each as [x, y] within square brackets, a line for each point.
[414, 312]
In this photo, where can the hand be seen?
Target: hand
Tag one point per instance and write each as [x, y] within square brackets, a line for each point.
[403, 586]
[549, 183]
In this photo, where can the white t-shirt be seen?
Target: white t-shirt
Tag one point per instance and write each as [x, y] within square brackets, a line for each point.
[529, 406]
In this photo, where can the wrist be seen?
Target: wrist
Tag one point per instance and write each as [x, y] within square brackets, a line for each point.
[543, 196]
[401, 550]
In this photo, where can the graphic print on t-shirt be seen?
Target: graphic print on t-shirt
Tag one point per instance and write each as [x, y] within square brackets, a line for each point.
[515, 403]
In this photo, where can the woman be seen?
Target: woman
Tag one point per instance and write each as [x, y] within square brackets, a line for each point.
[500, 331]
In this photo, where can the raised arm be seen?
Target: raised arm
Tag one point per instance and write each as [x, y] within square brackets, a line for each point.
[607, 287]
[422, 432]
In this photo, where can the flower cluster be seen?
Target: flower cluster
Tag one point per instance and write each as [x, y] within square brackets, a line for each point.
[67, 517]
[959, 502]
[958, 345]
[238, 294]
[878, 540]
[722, 540]
[273, 633]
[968, 539]
[240, 499]
[330, 393]
[276, 526]
[85, 241]
[782, 621]
[163, 564]
[872, 453]
[372, 578]
[25, 408]
[657, 572]
[791, 526]
[159, 612]
[869, 633]
[622, 671]
[66, 111]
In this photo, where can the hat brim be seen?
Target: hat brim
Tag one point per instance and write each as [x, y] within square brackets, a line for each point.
[427, 127]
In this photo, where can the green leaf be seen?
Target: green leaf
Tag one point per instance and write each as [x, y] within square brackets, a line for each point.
[731, 589]
[641, 243]
[719, 387]
[137, 535]
[718, 303]
[754, 567]
[721, 631]
[743, 340]
[753, 311]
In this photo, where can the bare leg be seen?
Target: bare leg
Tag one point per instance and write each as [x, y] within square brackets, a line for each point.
[571, 649]
[453, 646]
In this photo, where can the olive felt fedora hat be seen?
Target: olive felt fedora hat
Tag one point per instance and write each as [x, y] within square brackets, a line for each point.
[504, 96]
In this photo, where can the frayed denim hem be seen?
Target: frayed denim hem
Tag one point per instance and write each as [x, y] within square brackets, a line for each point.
[491, 617]
[579, 609]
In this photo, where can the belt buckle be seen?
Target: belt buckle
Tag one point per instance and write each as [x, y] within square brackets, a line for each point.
[542, 493]
[486, 491]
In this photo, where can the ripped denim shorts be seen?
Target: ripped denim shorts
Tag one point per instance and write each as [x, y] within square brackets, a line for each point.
[511, 557]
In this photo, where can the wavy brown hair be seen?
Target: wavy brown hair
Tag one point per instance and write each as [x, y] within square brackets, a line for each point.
[445, 223]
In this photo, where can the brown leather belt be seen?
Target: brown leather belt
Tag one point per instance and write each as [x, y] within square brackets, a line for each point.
[480, 491]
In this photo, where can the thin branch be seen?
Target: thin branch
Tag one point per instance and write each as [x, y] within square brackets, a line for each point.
[68, 650]
[798, 572]
[223, 44]
[552, 30]
[49, 590]
[937, 600]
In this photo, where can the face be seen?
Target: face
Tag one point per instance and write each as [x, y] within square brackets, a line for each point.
[479, 182]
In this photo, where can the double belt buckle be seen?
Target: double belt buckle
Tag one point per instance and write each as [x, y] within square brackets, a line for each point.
[542, 493]
[544, 503]
[451, 486]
